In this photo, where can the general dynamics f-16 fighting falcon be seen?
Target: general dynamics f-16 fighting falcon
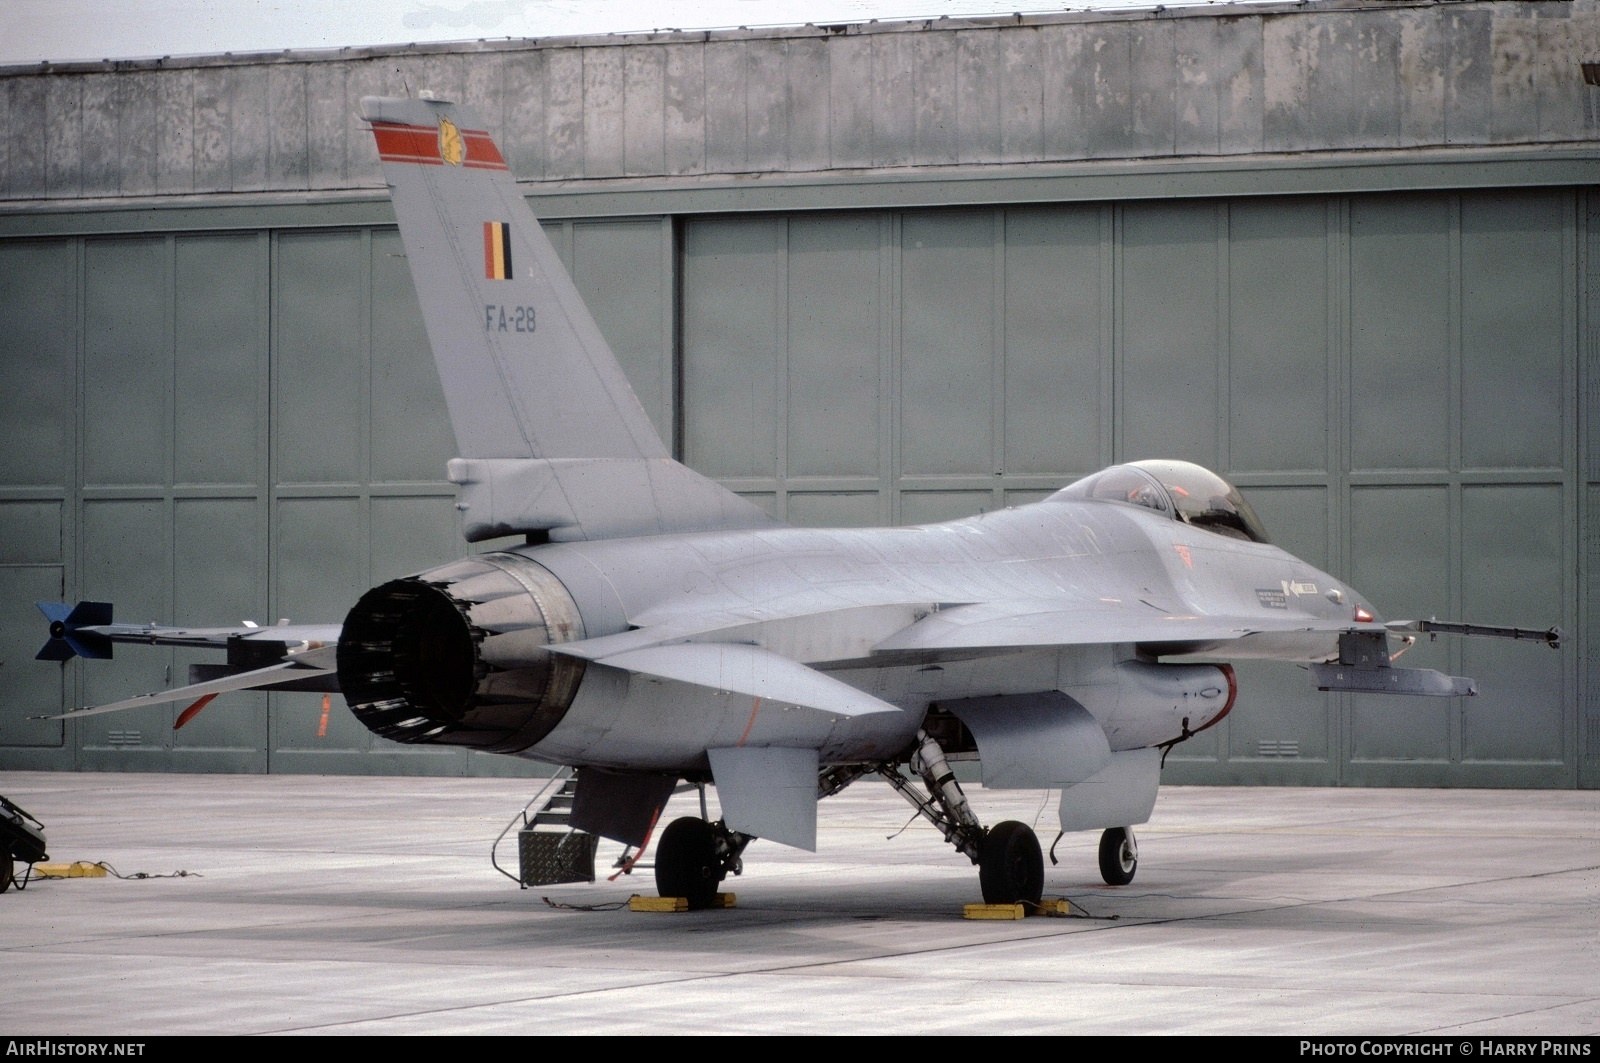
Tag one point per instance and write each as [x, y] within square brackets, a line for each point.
[656, 628]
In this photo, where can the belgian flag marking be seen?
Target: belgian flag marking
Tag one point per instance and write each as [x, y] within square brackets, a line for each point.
[496, 251]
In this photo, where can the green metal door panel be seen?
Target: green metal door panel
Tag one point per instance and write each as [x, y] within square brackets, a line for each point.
[303, 744]
[1514, 310]
[1401, 558]
[1196, 758]
[1278, 335]
[127, 360]
[1589, 674]
[410, 534]
[320, 558]
[1512, 574]
[1280, 721]
[732, 328]
[29, 687]
[319, 365]
[319, 571]
[220, 359]
[220, 576]
[767, 500]
[620, 269]
[411, 435]
[127, 560]
[1169, 321]
[834, 339]
[928, 507]
[1024, 496]
[947, 344]
[1400, 332]
[1054, 357]
[38, 359]
[833, 509]
[220, 579]
[30, 533]
[1296, 518]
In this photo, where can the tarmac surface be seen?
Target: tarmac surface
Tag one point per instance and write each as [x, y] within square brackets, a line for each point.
[340, 905]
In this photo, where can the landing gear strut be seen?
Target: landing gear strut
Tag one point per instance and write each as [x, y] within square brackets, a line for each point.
[1010, 865]
[693, 857]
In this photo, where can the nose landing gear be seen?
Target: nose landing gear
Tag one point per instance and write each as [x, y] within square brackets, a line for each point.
[1119, 856]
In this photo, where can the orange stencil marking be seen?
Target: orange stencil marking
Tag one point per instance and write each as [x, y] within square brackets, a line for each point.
[322, 725]
[1183, 552]
[753, 710]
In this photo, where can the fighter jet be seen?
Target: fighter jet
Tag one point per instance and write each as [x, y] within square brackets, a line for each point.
[656, 629]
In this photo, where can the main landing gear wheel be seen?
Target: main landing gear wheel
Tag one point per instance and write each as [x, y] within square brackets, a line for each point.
[8, 871]
[687, 864]
[1119, 856]
[1010, 865]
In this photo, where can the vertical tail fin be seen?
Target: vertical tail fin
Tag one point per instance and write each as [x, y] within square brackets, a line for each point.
[551, 437]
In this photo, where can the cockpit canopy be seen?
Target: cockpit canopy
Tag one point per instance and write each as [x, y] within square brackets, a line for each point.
[1182, 490]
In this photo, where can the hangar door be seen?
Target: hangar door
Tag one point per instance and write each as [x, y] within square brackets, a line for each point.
[1391, 378]
[209, 427]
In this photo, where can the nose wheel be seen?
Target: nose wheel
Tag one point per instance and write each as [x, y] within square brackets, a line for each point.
[1119, 856]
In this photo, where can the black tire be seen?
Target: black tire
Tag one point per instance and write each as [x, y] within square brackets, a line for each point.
[1119, 859]
[8, 872]
[1010, 865]
[686, 862]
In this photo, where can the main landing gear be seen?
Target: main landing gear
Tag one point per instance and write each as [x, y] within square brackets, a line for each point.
[694, 856]
[1010, 865]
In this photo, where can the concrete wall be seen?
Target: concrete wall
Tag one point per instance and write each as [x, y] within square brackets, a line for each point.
[1319, 79]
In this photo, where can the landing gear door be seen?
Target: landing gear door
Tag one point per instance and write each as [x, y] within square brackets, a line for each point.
[1033, 741]
[1119, 795]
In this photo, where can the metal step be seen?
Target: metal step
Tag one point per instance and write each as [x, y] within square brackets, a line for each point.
[549, 851]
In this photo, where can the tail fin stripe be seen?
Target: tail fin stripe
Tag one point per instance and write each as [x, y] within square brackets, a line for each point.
[420, 144]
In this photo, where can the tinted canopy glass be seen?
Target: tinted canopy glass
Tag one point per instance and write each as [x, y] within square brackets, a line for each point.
[1183, 490]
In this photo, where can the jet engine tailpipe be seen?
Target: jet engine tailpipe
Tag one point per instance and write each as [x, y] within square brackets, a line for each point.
[459, 655]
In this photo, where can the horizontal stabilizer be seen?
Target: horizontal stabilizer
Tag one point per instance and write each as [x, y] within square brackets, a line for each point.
[575, 499]
[312, 662]
[744, 669]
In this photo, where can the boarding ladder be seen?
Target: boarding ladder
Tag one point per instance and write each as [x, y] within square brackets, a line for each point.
[550, 850]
